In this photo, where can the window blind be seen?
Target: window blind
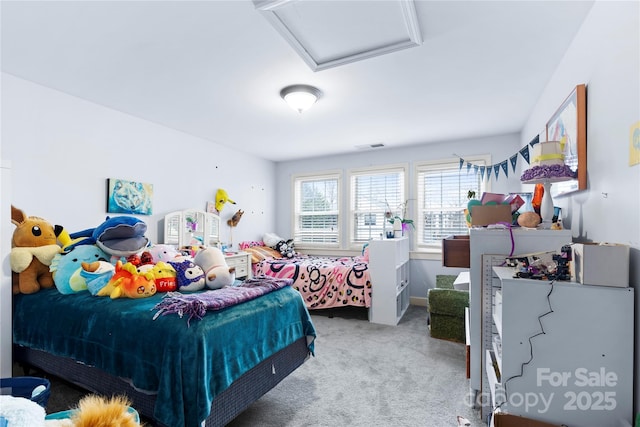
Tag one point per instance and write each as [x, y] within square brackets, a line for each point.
[443, 190]
[317, 210]
[373, 192]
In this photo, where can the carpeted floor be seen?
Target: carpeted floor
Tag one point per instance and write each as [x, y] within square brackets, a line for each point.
[362, 375]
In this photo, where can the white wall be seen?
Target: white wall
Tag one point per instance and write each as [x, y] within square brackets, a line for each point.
[63, 149]
[425, 269]
[605, 55]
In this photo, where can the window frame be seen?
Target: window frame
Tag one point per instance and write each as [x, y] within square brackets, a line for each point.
[454, 162]
[317, 176]
[403, 168]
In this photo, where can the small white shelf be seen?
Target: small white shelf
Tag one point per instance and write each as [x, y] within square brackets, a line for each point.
[389, 269]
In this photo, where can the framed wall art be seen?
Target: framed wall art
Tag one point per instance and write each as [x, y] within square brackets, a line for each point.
[569, 126]
[129, 197]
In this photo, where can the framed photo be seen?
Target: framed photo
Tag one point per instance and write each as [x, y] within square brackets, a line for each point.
[129, 197]
[569, 126]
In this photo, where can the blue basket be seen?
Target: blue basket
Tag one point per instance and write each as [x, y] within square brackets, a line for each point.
[24, 386]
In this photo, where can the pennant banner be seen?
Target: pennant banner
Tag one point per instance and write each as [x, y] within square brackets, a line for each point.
[503, 165]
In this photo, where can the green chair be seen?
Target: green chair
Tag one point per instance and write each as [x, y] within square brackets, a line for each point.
[446, 309]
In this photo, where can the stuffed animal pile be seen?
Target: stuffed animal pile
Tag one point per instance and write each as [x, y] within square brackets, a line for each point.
[114, 259]
[285, 247]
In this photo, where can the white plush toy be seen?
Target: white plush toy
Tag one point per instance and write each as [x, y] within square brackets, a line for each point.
[19, 411]
[217, 272]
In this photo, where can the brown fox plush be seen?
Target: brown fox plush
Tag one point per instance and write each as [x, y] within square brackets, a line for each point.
[33, 246]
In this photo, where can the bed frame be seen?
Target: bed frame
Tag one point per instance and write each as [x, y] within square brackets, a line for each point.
[225, 407]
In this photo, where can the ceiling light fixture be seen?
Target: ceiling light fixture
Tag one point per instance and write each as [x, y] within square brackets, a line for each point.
[300, 97]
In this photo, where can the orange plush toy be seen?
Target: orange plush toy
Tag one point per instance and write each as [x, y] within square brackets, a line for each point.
[33, 246]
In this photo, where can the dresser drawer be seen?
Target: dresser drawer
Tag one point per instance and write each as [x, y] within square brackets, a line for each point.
[242, 262]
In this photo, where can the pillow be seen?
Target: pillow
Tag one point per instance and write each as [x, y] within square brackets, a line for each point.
[260, 253]
[249, 243]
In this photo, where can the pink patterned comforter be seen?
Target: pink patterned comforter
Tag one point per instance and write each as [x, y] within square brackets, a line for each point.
[323, 282]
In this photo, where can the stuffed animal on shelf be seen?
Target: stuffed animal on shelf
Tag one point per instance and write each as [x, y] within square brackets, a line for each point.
[189, 275]
[221, 198]
[126, 282]
[67, 267]
[33, 247]
[217, 273]
[235, 219]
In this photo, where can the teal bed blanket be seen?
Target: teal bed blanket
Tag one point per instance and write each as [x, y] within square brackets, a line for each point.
[187, 366]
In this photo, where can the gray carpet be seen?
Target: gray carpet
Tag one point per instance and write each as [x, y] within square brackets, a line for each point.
[362, 375]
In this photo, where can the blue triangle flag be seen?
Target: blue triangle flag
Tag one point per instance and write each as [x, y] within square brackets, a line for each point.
[496, 169]
[505, 168]
[524, 152]
[514, 160]
[534, 141]
[461, 163]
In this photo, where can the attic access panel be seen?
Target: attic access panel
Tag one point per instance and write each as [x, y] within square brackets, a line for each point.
[331, 33]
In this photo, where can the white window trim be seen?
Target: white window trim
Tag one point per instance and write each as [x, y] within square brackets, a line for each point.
[324, 175]
[419, 166]
[368, 170]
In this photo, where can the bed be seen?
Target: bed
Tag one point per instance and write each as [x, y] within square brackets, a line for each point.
[323, 282]
[177, 372]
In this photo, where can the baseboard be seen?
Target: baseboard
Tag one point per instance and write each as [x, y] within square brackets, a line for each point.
[421, 301]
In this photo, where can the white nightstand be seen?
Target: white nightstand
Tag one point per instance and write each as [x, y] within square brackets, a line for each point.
[242, 262]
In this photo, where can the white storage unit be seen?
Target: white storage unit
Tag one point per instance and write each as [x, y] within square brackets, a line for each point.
[242, 262]
[486, 241]
[563, 352]
[191, 227]
[389, 269]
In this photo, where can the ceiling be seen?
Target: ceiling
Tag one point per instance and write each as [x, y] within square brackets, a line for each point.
[214, 69]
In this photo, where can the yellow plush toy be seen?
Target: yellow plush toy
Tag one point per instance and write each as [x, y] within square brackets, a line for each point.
[221, 198]
[33, 246]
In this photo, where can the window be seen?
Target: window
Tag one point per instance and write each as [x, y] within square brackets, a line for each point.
[373, 192]
[316, 203]
[442, 190]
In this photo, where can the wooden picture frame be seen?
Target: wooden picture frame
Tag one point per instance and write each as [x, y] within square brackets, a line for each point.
[569, 124]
